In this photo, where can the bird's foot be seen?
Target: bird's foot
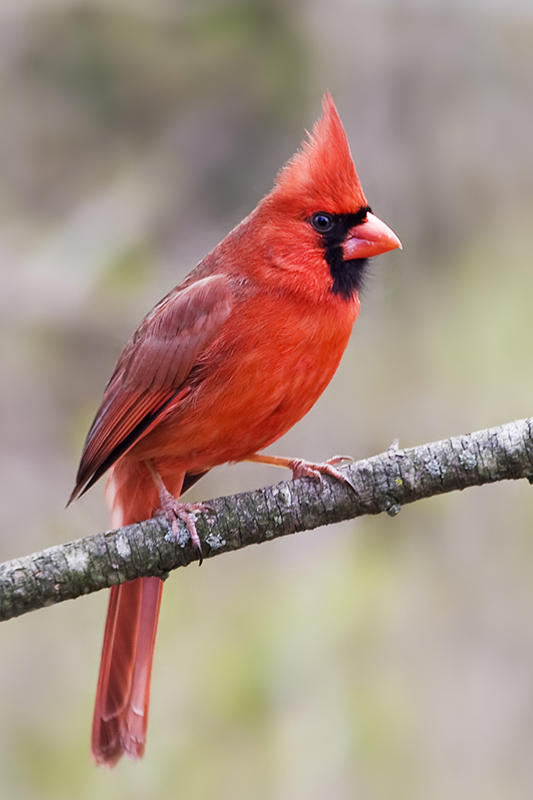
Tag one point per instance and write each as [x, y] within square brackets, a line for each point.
[310, 469]
[306, 469]
[173, 510]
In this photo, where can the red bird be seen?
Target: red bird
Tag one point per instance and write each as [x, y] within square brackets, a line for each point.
[223, 366]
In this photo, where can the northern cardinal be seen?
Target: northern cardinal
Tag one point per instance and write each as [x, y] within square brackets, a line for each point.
[223, 366]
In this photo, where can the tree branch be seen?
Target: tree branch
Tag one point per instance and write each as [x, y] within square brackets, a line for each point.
[382, 483]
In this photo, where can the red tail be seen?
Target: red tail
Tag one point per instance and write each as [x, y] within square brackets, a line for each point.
[123, 692]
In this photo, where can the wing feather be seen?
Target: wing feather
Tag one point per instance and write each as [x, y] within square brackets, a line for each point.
[152, 371]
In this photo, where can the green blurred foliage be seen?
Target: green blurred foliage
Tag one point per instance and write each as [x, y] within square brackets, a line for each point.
[384, 659]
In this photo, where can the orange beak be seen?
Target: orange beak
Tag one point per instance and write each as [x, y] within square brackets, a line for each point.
[370, 238]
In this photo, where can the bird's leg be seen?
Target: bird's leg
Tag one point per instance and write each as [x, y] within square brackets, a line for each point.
[173, 510]
[305, 469]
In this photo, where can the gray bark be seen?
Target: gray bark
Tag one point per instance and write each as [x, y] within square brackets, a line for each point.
[380, 484]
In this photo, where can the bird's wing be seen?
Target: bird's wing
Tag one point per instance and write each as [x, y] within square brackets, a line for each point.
[152, 372]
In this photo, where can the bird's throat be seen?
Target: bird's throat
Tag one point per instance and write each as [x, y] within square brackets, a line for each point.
[347, 276]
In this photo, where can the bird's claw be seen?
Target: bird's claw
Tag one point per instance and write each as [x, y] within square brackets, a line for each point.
[173, 510]
[309, 469]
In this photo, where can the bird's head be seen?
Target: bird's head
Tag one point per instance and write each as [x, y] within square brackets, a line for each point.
[319, 210]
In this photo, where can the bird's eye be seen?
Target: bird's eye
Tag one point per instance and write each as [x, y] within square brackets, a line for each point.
[322, 222]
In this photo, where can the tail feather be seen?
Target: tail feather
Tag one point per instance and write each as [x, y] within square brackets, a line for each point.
[123, 693]
[135, 718]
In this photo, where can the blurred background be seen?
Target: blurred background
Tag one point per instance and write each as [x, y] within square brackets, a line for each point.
[384, 658]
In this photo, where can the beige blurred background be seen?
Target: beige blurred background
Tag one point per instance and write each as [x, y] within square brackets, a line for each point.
[381, 659]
